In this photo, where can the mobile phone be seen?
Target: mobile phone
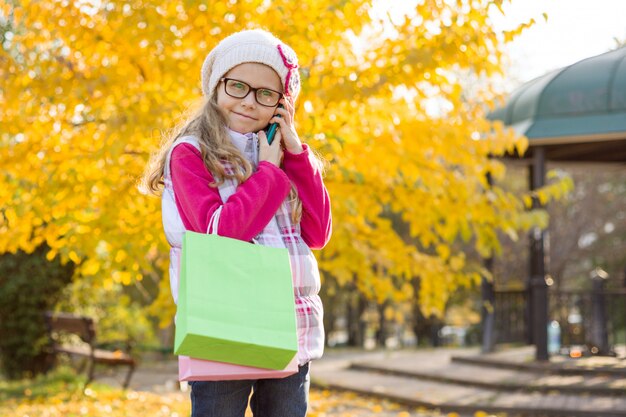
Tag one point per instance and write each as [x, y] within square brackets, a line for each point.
[271, 130]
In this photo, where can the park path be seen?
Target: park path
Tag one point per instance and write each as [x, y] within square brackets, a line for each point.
[455, 380]
[464, 381]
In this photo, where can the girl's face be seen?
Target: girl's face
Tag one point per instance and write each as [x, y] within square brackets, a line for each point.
[246, 115]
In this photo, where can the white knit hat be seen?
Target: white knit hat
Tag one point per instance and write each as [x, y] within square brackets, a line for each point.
[251, 46]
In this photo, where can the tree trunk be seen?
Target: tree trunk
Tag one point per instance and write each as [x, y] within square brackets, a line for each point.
[383, 325]
[426, 329]
[356, 322]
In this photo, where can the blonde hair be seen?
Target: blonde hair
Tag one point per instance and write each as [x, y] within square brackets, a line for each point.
[208, 125]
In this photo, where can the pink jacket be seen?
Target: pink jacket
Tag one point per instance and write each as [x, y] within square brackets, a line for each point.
[247, 212]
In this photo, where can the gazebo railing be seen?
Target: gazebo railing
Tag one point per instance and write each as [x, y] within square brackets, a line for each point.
[593, 318]
[511, 316]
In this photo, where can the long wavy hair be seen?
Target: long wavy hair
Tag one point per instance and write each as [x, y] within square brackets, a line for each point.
[208, 125]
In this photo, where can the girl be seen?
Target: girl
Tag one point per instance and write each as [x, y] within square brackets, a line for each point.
[220, 167]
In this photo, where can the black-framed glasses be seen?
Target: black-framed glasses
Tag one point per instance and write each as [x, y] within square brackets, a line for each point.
[239, 89]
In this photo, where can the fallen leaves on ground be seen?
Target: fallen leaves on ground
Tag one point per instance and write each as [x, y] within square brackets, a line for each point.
[60, 394]
[325, 403]
[99, 402]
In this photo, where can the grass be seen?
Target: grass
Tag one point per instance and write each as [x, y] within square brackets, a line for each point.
[61, 380]
[61, 394]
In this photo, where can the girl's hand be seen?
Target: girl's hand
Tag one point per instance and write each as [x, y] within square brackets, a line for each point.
[271, 153]
[287, 130]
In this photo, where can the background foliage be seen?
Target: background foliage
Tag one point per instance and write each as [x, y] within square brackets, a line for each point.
[394, 102]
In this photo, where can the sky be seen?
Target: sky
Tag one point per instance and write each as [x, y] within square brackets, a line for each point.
[574, 30]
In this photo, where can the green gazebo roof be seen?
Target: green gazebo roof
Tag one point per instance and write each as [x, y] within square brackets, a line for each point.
[577, 113]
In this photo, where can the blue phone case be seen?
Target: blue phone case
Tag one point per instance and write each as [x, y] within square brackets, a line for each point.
[271, 131]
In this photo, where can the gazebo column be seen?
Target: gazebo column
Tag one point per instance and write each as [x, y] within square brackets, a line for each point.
[488, 310]
[488, 302]
[538, 288]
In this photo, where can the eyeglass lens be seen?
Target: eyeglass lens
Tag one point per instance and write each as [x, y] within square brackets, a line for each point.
[239, 89]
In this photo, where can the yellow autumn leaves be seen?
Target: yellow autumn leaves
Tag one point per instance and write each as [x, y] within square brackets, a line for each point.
[87, 90]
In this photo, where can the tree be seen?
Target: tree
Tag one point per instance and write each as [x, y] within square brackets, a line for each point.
[88, 87]
[29, 285]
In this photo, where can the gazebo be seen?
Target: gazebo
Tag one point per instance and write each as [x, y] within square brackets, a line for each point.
[576, 113]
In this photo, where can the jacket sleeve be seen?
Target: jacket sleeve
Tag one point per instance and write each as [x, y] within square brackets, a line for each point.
[245, 213]
[316, 223]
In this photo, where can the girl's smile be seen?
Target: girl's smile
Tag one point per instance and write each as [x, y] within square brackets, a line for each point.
[243, 115]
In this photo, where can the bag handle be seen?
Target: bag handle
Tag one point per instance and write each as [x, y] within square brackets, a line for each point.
[214, 221]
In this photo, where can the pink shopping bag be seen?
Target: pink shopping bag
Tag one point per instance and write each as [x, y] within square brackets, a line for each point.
[191, 369]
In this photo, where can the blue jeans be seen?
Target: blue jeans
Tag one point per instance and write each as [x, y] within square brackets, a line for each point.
[284, 397]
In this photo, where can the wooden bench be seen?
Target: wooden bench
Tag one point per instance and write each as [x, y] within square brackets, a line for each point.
[61, 325]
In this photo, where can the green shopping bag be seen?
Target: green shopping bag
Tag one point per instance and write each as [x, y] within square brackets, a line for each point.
[235, 303]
